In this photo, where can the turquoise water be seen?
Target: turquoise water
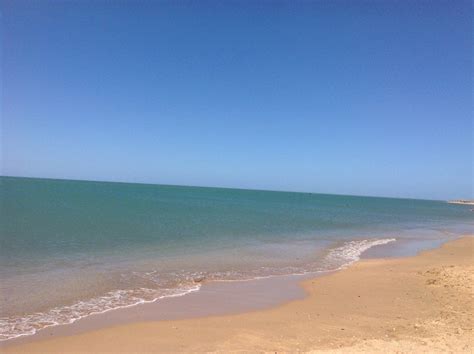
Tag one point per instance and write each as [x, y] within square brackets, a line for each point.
[72, 248]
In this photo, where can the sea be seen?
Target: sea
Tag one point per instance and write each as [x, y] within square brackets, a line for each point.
[71, 249]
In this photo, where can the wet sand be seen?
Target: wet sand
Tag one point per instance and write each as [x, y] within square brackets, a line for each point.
[416, 304]
[215, 298]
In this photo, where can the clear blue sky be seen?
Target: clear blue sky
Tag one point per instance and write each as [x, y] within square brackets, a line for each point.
[366, 98]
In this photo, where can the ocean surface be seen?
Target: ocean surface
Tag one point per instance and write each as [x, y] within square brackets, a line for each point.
[69, 249]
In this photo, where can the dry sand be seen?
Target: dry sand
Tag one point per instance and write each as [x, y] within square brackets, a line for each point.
[417, 304]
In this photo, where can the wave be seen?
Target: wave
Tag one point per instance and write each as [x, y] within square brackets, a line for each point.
[16, 326]
[13, 327]
[351, 251]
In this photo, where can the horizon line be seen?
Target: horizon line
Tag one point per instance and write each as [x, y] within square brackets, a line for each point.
[219, 187]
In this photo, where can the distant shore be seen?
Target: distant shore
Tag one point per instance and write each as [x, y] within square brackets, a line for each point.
[461, 201]
[422, 303]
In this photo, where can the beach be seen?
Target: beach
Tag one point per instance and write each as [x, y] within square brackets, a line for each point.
[236, 176]
[73, 249]
[422, 303]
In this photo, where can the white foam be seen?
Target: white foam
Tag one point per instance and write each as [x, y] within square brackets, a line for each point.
[351, 251]
[16, 326]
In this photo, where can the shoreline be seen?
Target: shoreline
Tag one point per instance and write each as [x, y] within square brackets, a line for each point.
[231, 329]
[242, 291]
[461, 202]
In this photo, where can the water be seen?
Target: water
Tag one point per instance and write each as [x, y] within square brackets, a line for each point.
[69, 248]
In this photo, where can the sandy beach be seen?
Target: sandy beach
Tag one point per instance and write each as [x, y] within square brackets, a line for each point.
[236, 176]
[422, 303]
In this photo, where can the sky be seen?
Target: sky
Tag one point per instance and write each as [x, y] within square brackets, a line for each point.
[345, 97]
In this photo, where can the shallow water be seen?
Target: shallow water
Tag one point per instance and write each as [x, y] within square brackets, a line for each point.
[71, 248]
